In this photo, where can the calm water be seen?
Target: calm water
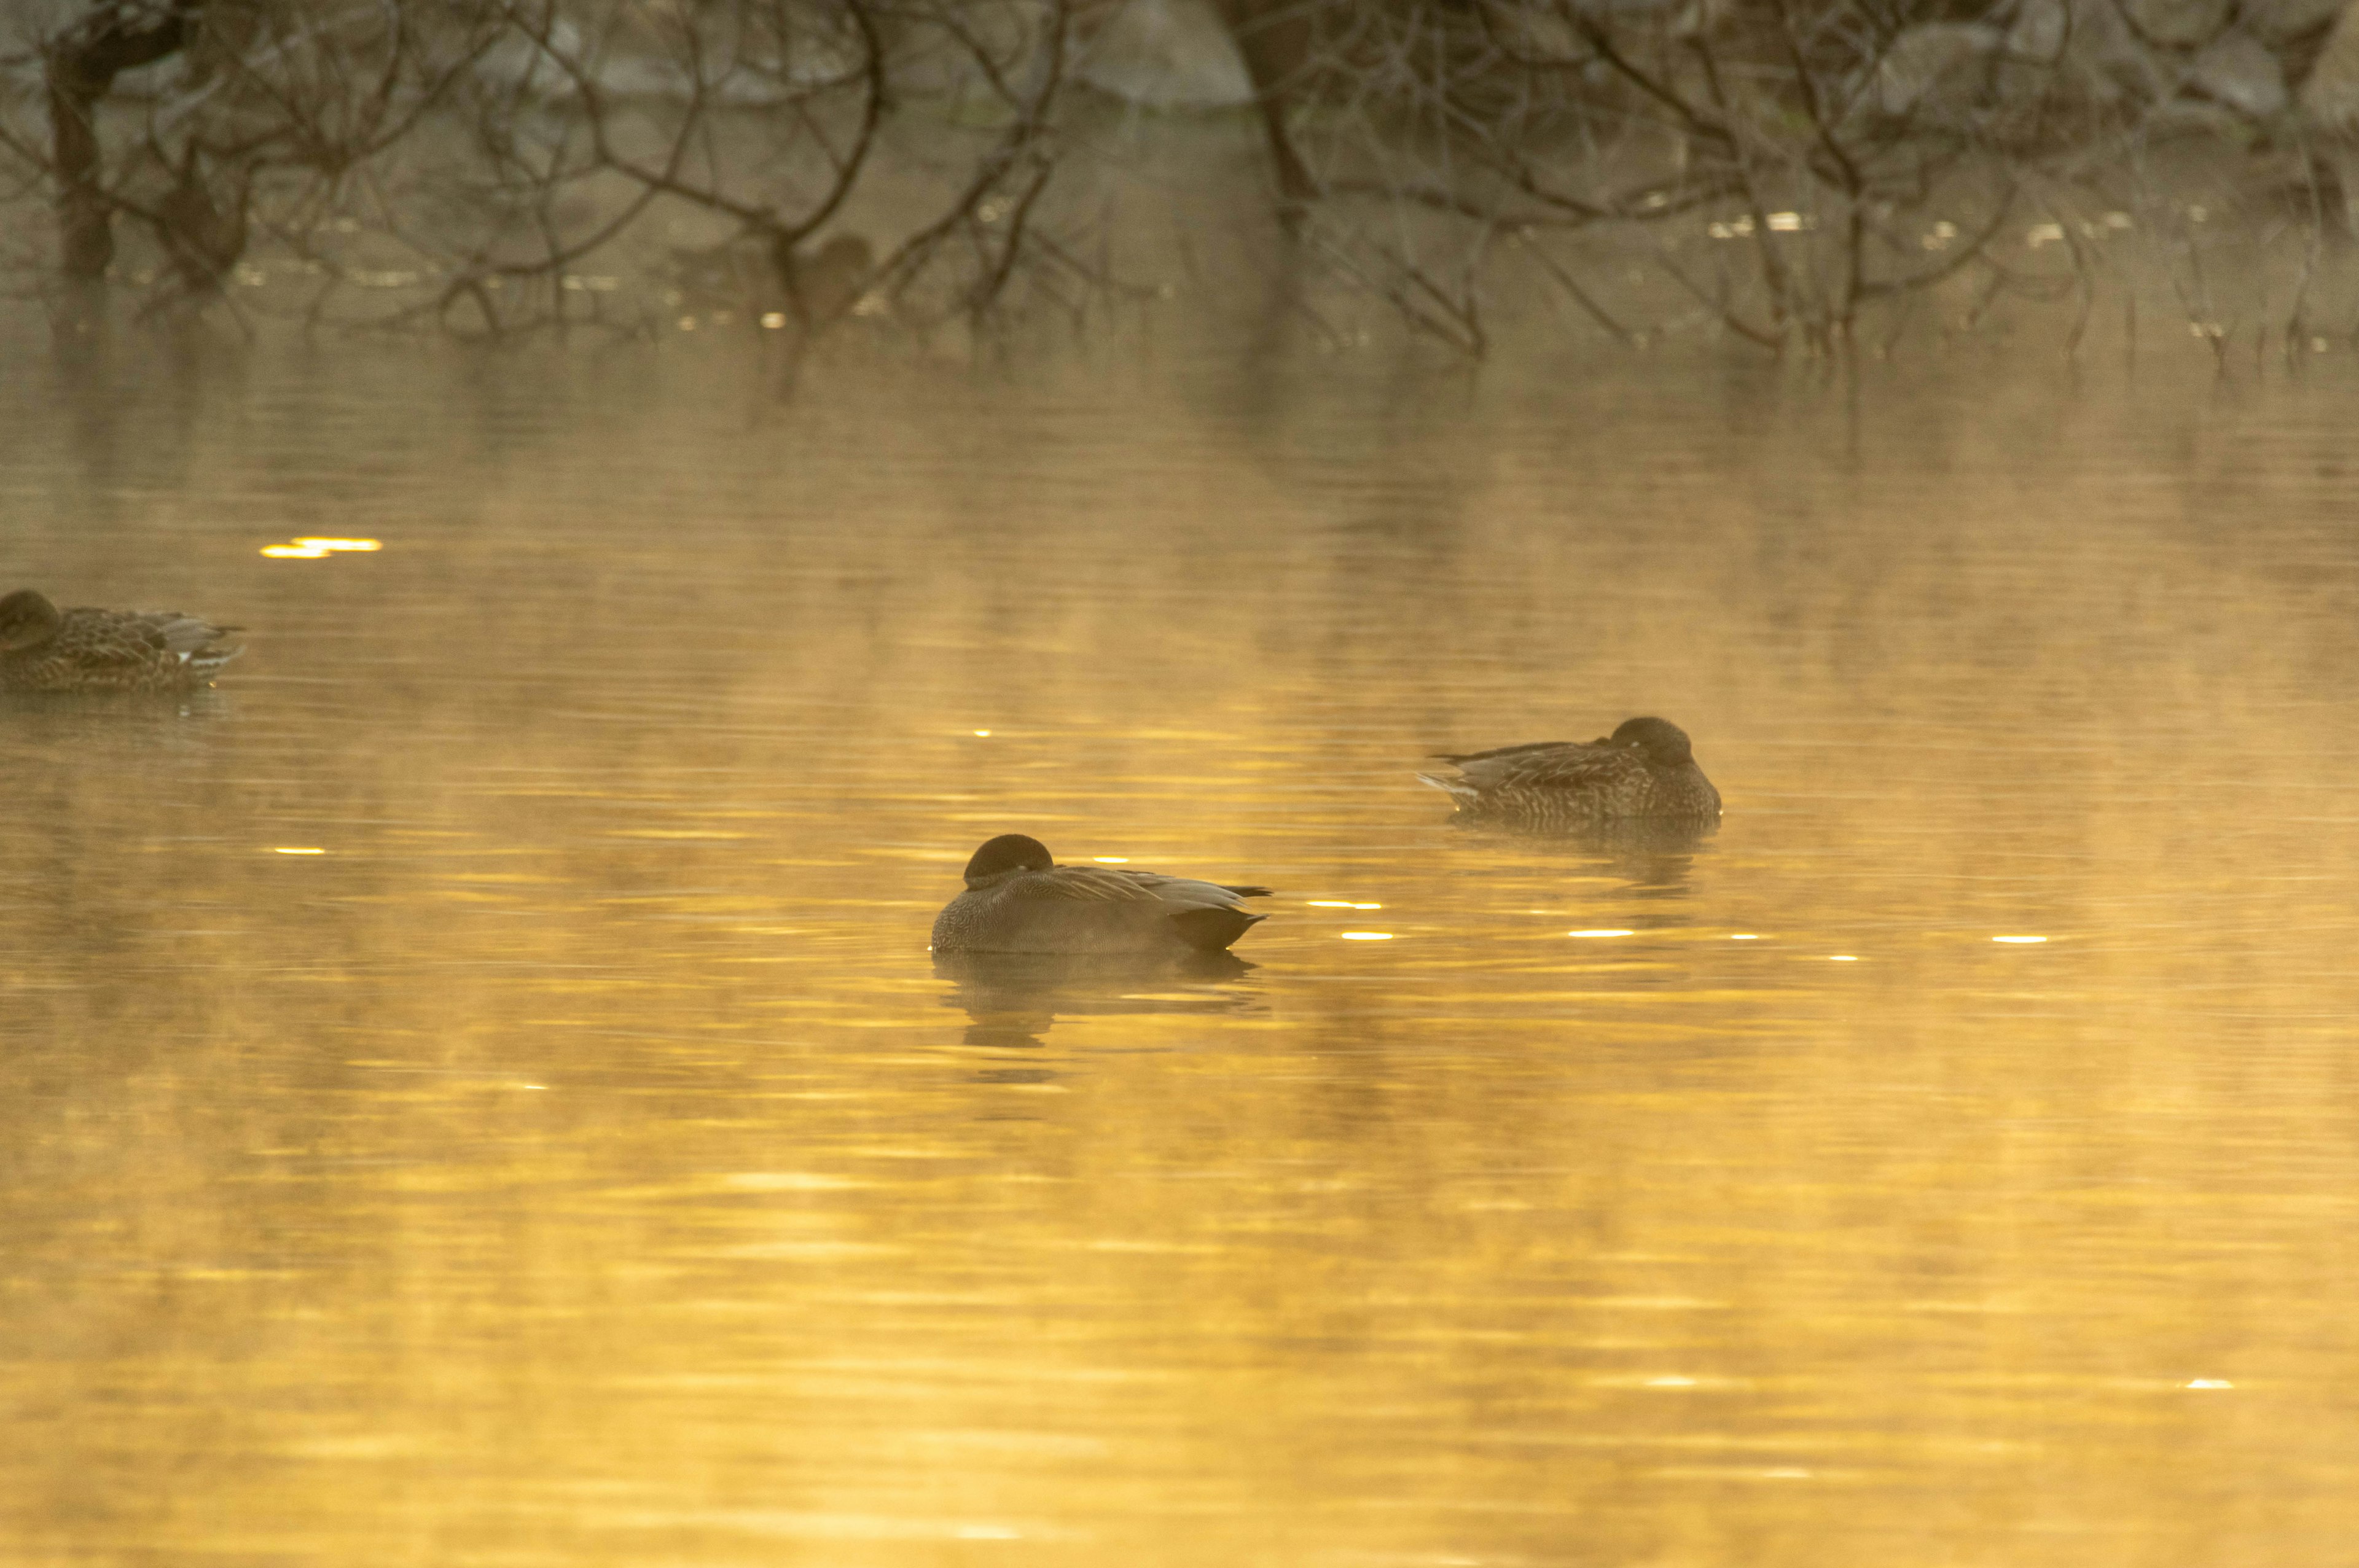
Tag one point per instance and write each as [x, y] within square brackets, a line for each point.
[574, 1157]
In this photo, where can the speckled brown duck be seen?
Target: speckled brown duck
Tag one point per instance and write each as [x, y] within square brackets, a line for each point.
[1645, 769]
[1019, 899]
[43, 648]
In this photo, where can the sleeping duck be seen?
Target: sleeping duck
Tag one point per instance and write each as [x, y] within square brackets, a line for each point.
[43, 648]
[1644, 769]
[1018, 900]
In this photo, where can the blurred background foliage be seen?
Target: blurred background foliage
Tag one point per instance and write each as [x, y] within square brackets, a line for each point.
[1785, 172]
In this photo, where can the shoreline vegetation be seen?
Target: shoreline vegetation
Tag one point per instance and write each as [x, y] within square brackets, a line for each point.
[1805, 176]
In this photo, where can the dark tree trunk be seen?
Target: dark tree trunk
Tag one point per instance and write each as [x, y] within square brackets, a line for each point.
[1275, 36]
[81, 63]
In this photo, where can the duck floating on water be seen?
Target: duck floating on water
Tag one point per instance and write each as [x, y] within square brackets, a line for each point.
[1644, 769]
[43, 648]
[1019, 899]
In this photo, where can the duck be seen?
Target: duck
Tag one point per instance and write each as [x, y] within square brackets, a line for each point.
[1647, 768]
[43, 648]
[1019, 899]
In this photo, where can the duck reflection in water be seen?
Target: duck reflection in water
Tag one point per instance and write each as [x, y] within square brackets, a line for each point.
[1654, 854]
[1014, 999]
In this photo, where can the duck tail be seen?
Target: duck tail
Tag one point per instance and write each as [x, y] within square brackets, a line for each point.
[1211, 930]
[207, 663]
[1457, 789]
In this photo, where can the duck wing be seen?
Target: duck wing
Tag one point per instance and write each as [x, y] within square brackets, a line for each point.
[141, 637]
[1080, 884]
[185, 635]
[1110, 884]
[1204, 916]
[1547, 765]
[1187, 892]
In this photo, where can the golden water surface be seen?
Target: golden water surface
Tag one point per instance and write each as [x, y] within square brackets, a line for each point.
[473, 1089]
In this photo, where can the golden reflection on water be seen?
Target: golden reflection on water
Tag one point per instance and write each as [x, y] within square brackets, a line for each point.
[477, 1091]
[307, 548]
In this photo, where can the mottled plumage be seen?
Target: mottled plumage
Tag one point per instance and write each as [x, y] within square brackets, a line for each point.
[45, 649]
[1018, 900]
[1644, 769]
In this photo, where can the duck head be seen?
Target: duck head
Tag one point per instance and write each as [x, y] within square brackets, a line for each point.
[1008, 853]
[1663, 742]
[27, 621]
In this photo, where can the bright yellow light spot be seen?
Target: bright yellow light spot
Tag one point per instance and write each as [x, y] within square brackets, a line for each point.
[1744, 937]
[985, 734]
[289, 849]
[1785, 222]
[1367, 936]
[2019, 939]
[774, 319]
[1671, 1382]
[1842, 957]
[2207, 1383]
[1110, 859]
[1613, 933]
[311, 548]
[1339, 904]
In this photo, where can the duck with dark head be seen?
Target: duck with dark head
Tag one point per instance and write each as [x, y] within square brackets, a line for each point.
[1019, 899]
